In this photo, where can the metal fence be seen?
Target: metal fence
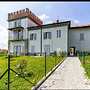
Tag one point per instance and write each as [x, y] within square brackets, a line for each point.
[10, 75]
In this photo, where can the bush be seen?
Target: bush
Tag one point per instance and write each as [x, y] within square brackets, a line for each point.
[62, 54]
[21, 67]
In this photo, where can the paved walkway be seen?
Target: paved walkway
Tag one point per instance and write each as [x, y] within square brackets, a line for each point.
[69, 75]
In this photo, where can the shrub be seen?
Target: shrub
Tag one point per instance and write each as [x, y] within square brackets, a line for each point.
[21, 67]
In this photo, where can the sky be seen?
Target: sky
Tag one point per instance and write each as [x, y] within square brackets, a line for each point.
[77, 12]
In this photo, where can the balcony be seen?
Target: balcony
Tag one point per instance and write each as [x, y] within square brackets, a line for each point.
[20, 28]
[16, 36]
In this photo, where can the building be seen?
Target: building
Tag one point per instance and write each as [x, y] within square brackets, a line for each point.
[28, 35]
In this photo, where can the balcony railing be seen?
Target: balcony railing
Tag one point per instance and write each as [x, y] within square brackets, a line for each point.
[14, 38]
[16, 28]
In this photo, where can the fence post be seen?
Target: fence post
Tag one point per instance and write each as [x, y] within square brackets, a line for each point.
[83, 57]
[45, 63]
[55, 58]
[8, 72]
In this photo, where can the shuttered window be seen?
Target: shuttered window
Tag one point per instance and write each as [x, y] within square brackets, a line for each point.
[58, 33]
[33, 36]
[81, 36]
[47, 35]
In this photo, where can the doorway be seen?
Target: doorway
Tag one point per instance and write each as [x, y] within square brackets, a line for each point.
[72, 51]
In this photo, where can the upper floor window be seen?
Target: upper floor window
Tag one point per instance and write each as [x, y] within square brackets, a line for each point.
[47, 35]
[15, 35]
[17, 23]
[81, 36]
[33, 36]
[58, 33]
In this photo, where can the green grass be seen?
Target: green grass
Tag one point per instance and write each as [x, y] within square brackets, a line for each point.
[86, 65]
[35, 65]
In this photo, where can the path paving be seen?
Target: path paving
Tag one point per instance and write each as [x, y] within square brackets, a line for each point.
[69, 75]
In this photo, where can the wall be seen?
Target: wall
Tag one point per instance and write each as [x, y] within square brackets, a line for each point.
[36, 42]
[25, 22]
[12, 44]
[74, 39]
[55, 43]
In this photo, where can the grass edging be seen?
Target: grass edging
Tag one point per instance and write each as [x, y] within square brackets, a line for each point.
[48, 74]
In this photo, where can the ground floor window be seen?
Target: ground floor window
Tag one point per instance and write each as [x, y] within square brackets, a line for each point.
[47, 49]
[17, 49]
[32, 49]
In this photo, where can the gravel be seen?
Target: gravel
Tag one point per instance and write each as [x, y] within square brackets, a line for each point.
[69, 75]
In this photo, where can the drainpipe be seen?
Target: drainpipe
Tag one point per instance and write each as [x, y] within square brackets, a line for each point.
[41, 41]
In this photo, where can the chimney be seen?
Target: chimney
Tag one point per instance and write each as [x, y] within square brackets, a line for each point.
[57, 21]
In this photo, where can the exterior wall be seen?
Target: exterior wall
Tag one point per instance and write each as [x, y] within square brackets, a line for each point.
[36, 42]
[55, 43]
[21, 43]
[30, 23]
[25, 22]
[74, 39]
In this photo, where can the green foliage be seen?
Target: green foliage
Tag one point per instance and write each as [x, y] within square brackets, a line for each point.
[21, 67]
[85, 60]
[63, 54]
[33, 67]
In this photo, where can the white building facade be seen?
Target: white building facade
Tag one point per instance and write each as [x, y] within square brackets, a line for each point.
[28, 35]
[79, 37]
[49, 38]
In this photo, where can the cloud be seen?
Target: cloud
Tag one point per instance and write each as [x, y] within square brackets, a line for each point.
[44, 17]
[48, 22]
[3, 37]
[75, 22]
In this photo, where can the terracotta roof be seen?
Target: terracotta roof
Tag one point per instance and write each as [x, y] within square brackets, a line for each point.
[24, 13]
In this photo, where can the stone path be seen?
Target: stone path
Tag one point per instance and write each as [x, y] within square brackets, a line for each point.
[69, 75]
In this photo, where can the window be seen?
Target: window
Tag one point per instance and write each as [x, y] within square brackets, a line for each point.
[15, 35]
[33, 36]
[47, 35]
[47, 49]
[17, 23]
[32, 49]
[58, 33]
[21, 35]
[81, 36]
[17, 49]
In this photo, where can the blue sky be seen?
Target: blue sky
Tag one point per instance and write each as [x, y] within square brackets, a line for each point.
[77, 12]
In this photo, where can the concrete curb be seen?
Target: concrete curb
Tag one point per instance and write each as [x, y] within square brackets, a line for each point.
[44, 78]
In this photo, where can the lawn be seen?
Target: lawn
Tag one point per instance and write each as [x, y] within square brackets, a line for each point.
[35, 66]
[85, 60]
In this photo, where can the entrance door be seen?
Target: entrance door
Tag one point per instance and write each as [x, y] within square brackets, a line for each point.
[72, 51]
